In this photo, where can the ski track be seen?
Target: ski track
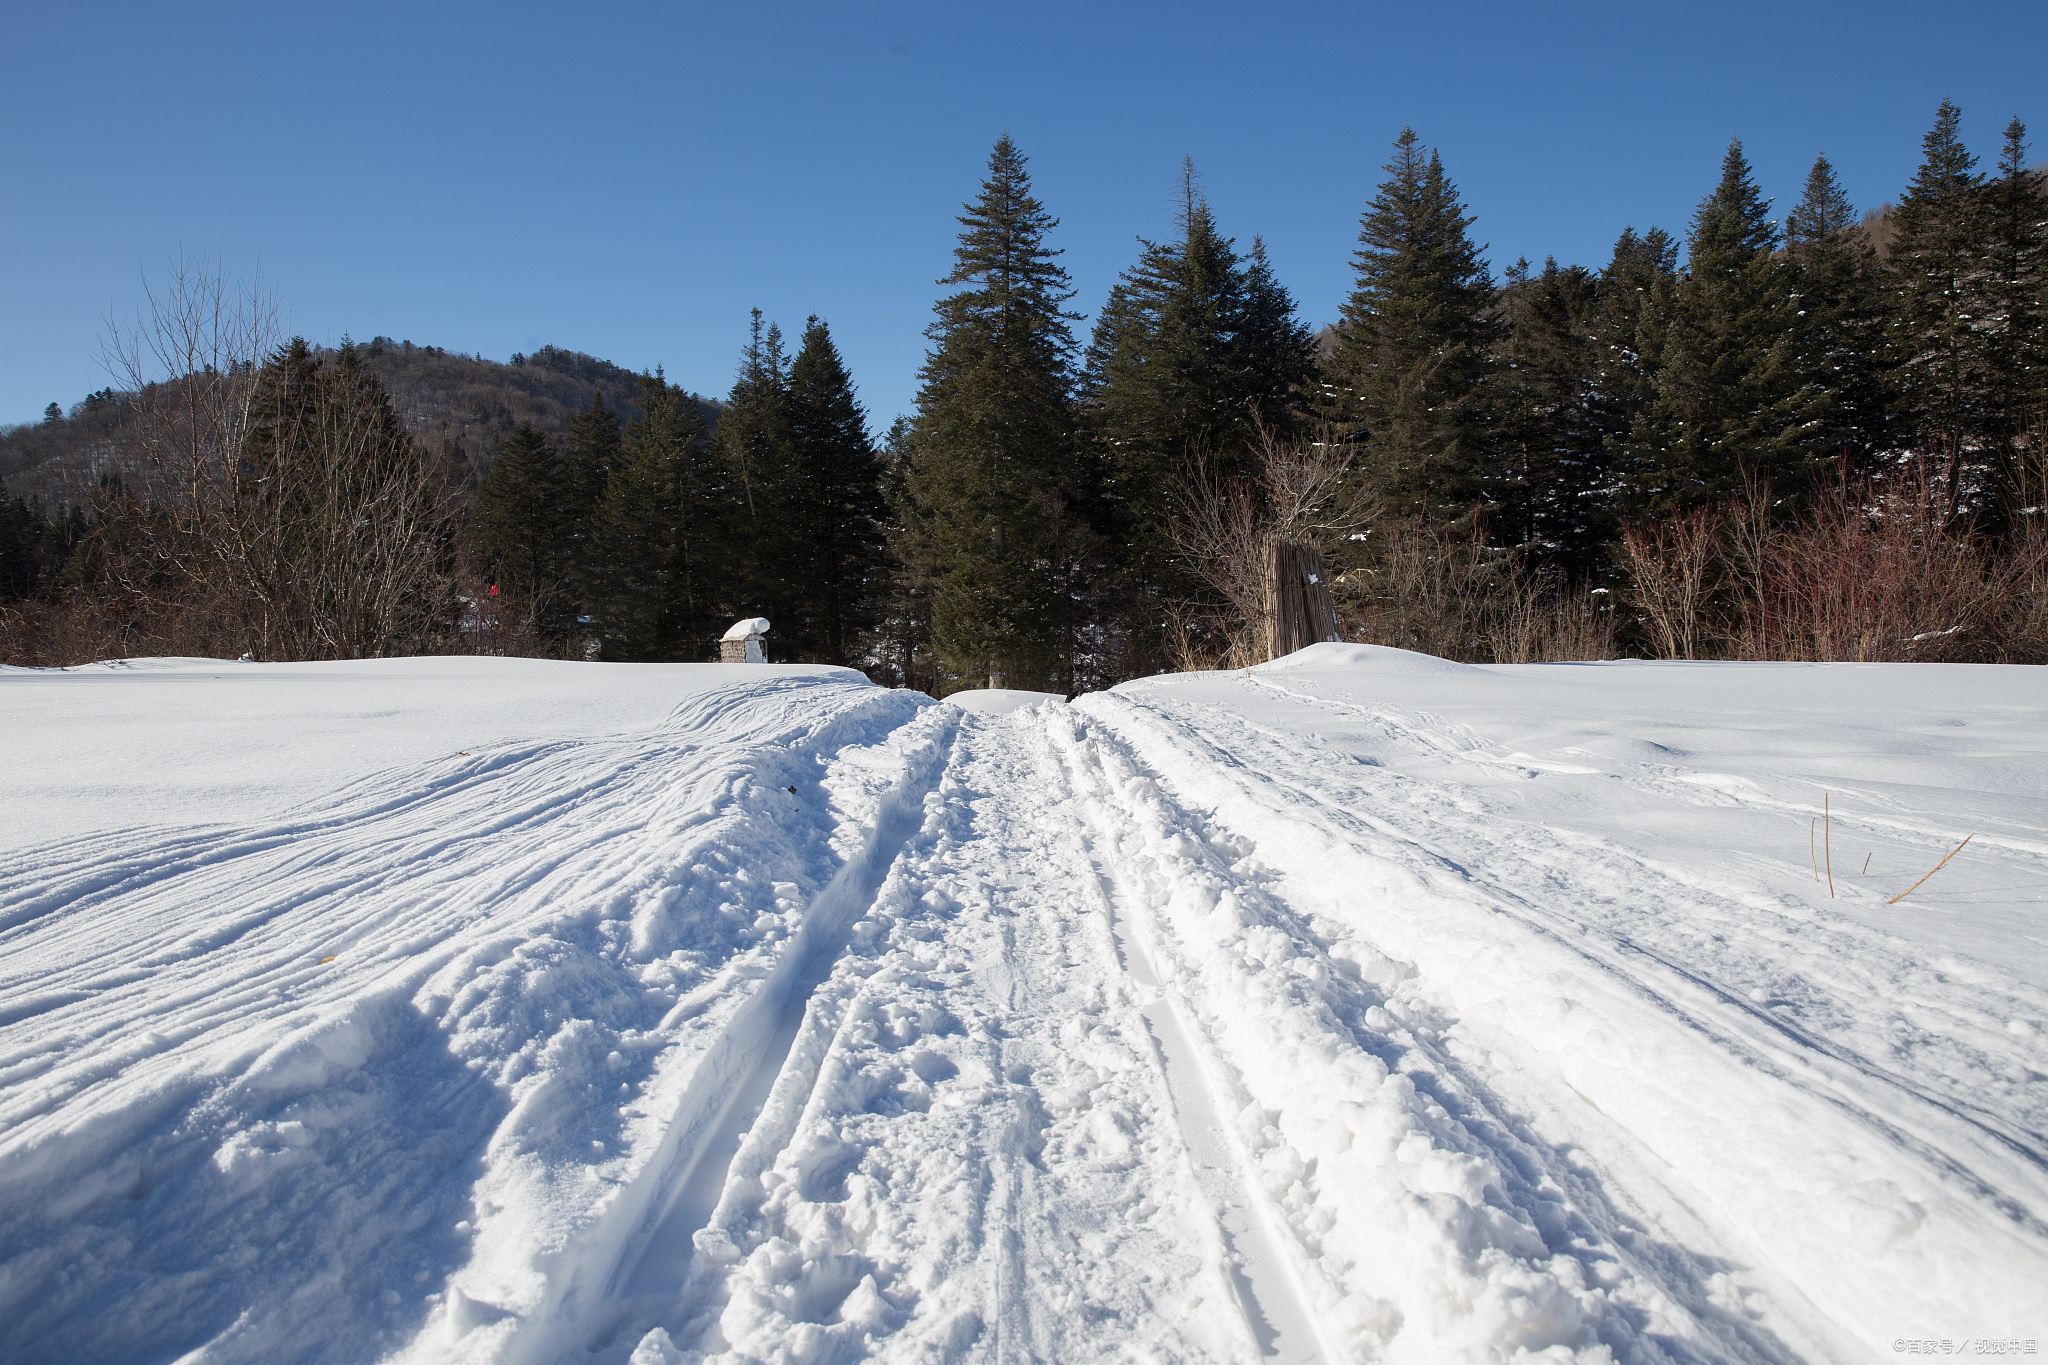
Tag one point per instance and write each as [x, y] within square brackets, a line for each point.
[1846, 1064]
[824, 1024]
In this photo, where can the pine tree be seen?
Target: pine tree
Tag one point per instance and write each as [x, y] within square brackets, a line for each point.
[902, 640]
[1195, 346]
[1838, 286]
[2017, 238]
[753, 429]
[1412, 341]
[592, 451]
[1629, 323]
[19, 570]
[1547, 493]
[664, 537]
[520, 524]
[1195, 349]
[1731, 352]
[753, 443]
[834, 534]
[1941, 366]
[1276, 351]
[992, 450]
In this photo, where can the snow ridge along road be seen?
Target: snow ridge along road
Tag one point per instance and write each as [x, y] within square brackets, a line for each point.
[1361, 1008]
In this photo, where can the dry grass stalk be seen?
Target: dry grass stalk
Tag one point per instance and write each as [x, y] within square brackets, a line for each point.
[1827, 842]
[1931, 871]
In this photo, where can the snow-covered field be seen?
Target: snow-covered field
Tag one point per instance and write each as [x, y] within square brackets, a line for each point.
[1361, 1007]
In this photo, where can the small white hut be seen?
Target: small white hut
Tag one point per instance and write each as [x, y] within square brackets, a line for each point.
[742, 644]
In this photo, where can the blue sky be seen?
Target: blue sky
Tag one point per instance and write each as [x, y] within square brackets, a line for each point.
[629, 180]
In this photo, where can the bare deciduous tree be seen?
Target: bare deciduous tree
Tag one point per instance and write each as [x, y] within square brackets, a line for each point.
[1229, 529]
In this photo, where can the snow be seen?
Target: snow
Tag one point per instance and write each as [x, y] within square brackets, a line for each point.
[1360, 1006]
[1001, 701]
[753, 625]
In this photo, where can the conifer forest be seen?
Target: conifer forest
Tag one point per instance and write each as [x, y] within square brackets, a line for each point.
[1815, 436]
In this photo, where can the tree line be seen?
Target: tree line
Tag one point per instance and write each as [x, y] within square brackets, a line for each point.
[1566, 461]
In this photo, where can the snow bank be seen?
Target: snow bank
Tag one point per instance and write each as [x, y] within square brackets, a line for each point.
[187, 741]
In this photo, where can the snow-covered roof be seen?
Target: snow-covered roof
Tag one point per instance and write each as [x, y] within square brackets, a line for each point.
[753, 625]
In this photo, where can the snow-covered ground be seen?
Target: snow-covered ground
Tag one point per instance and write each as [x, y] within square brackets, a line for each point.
[1361, 1007]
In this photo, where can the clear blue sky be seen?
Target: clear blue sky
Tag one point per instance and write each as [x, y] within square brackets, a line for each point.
[629, 180]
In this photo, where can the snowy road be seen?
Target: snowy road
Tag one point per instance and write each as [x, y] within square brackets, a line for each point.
[1367, 1008]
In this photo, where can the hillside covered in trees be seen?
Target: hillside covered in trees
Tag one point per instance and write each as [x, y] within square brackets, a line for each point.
[1819, 436]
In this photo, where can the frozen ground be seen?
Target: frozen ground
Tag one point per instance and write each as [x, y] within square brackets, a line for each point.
[1363, 1007]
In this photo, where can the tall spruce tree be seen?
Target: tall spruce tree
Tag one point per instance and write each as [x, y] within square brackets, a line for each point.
[1730, 357]
[664, 537]
[521, 527]
[1839, 292]
[1413, 339]
[592, 452]
[834, 534]
[1547, 492]
[1941, 375]
[1195, 348]
[1196, 344]
[902, 637]
[753, 443]
[753, 426]
[1629, 324]
[2017, 290]
[992, 469]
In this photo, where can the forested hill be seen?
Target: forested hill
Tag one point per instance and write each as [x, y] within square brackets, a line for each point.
[444, 398]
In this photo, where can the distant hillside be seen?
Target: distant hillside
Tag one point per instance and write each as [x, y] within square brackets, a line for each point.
[445, 398]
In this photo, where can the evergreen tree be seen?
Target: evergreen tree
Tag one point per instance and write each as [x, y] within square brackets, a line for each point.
[753, 427]
[20, 537]
[1839, 292]
[592, 451]
[753, 443]
[1941, 366]
[903, 654]
[664, 537]
[1629, 324]
[1413, 338]
[1546, 495]
[2017, 239]
[1276, 351]
[1195, 348]
[992, 465]
[834, 534]
[520, 525]
[1731, 352]
[1195, 342]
